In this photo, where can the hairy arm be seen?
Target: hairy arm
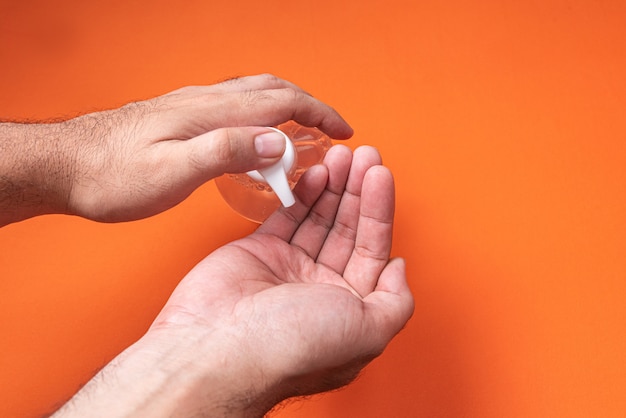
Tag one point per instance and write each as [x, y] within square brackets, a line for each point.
[36, 169]
[162, 376]
[146, 157]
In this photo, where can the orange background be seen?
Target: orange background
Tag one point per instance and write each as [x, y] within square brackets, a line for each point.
[503, 122]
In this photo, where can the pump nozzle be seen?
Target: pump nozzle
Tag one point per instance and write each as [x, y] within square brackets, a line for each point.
[276, 174]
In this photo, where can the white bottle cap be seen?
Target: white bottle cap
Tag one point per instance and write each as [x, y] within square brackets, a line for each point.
[276, 174]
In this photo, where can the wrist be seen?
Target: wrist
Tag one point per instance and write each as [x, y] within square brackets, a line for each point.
[36, 170]
[176, 374]
[216, 372]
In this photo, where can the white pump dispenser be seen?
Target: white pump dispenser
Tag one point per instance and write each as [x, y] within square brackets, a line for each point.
[276, 174]
[257, 194]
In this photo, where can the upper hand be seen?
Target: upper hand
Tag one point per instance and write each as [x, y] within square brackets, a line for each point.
[143, 158]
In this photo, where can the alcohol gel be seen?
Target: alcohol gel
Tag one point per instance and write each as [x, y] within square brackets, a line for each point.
[256, 194]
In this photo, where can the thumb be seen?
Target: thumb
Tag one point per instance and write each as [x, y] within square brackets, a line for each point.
[391, 303]
[233, 150]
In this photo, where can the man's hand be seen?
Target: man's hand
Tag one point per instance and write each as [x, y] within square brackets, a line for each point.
[145, 157]
[298, 307]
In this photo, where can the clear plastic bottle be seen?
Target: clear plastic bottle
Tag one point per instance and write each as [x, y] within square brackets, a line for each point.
[251, 196]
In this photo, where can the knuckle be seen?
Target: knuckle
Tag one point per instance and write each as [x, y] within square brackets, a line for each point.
[269, 79]
[371, 251]
[294, 95]
[320, 219]
[252, 98]
[224, 148]
[344, 230]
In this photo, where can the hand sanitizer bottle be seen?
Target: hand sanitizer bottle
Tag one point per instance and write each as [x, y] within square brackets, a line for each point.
[257, 194]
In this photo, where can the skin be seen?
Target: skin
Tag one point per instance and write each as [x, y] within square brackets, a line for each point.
[145, 157]
[298, 307]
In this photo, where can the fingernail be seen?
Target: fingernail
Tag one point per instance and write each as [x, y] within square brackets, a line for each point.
[269, 144]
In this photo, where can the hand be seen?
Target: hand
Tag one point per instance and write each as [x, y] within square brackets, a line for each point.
[298, 307]
[148, 156]
[311, 297]
[145, 157]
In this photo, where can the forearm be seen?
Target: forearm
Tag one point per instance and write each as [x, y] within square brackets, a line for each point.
[170, 376]
[35, 170]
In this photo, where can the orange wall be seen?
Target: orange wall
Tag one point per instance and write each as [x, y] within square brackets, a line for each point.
[503, 122]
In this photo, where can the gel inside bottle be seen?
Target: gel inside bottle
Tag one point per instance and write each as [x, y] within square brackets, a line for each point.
[253, 195]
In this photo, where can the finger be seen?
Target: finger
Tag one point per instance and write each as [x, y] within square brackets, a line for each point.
[255, 82]
[284, 222]
[313, 230]
[277, 106]
[226, 150]
[372, 246]
[267, 107]
[340, 241]
[391, 305]
[238, 84]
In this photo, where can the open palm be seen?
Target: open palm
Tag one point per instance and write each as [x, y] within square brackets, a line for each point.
[311, 296]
